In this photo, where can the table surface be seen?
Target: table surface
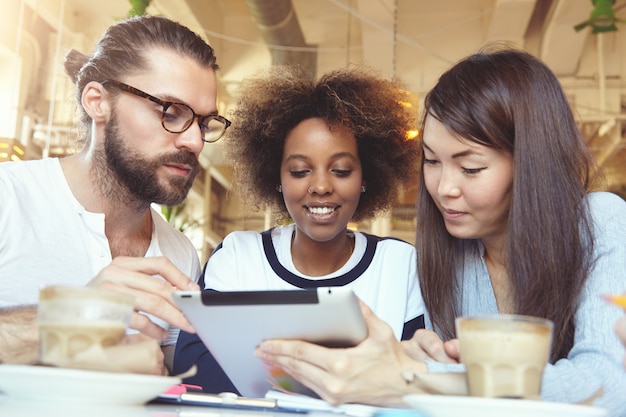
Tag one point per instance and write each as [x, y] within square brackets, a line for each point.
[10, 407]
[434, 406]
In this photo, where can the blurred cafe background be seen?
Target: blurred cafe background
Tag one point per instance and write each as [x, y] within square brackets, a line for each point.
[413, 41]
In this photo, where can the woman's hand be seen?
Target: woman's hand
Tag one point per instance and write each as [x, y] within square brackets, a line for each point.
[426, 345]
[370, 373]
[136, 276]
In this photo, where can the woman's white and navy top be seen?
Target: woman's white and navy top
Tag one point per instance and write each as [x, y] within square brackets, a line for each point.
[381, 272]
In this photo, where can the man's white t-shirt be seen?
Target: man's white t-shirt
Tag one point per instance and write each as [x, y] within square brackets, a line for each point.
[48, 238]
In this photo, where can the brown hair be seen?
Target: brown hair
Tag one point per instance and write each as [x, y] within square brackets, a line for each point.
[508, 99]
[273, 103]
[121, 50]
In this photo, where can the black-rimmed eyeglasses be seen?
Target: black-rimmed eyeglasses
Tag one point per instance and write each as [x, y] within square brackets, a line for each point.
[178, 117]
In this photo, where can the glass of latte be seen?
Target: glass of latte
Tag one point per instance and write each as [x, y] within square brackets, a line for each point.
[504, 355]
[74, 319]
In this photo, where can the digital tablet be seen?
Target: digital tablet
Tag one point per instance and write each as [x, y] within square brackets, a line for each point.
[233, 324]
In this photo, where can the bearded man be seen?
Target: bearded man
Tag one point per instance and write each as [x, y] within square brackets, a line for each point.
[147, 98]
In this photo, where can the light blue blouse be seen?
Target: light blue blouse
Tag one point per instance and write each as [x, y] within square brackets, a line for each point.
[595, 360]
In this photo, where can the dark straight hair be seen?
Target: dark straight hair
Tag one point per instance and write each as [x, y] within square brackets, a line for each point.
[510, 100]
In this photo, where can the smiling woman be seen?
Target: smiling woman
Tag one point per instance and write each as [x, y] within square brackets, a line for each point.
[320, 153]
[321, 180]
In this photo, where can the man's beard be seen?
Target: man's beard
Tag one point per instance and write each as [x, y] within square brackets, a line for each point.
[139, 175]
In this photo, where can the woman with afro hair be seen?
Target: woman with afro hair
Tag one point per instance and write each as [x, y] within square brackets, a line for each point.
[319, 154]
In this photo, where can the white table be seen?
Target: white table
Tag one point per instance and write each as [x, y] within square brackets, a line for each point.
[21, 408]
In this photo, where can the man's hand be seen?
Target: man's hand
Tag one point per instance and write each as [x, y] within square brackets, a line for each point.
[136, 276]
[153, 354]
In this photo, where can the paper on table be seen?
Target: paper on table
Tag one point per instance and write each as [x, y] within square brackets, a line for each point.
[304, 402]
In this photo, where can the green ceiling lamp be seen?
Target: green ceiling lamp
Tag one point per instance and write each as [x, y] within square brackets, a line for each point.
[602, 17]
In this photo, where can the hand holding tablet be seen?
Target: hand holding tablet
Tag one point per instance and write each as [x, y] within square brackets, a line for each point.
[232, 324]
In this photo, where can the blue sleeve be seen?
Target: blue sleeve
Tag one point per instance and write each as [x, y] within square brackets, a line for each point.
[595, 361]
[210, 376]
[411, 326]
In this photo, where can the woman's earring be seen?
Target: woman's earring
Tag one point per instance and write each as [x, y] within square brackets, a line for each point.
[363, 188]
[279, 188]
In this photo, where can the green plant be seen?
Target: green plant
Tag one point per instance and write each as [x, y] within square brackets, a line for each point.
[138, 7]
[178, 218]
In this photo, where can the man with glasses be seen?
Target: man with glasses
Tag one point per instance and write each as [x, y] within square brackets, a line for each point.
[147, 100]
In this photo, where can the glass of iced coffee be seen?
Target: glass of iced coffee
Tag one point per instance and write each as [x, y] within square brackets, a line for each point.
[73, 319]
[504, 355]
